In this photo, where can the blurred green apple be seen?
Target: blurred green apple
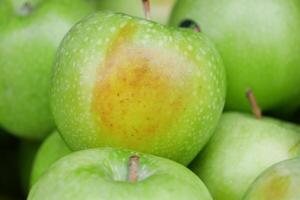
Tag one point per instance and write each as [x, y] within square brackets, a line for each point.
[104, 174]
[240, 149]
[52, 149]
[260, 44]
[5, 12]
[160, 9]
[279, 182]
[121, 81]
[28, 42]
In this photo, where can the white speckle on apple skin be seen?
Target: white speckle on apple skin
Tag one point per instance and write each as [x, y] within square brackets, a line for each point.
[191, 64]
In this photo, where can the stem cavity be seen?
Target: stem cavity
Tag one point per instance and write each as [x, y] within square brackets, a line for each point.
[188, 23]
[26, 9]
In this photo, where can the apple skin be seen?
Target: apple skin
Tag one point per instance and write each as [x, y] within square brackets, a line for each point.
[279, 182]
[5, 12]
[259, 43]
[52, 149]
[121, 81]
[240, 149]
[27, 50]
[103, 174]
[160, 9]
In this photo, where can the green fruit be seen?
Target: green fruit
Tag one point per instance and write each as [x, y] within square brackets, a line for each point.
[27, 153]
[160, 9]
[279, 182]
[103, 174]
[240, 149]
[5, 12]
[260, 44]
[121, 81]
[28, 42]
[285, 124]
[52, 149]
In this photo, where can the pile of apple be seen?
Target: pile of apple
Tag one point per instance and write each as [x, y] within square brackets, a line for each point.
[123, 106]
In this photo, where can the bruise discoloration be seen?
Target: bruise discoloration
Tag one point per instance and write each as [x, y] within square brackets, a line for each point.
[137, 94]
[276, 188]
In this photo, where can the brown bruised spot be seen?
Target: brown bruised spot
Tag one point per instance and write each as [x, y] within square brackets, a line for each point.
[276, 188]
[137, 94]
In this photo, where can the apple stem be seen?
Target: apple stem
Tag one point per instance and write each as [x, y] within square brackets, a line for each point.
[133, 168]
[146, 5]
[197, 28]
[255, 108]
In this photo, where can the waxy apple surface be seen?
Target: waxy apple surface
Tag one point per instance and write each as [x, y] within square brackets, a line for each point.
[259, 43]
[28, 42]
[103, 174]
[279, 182]
[126, 82]
[241, 148]
[52, 149]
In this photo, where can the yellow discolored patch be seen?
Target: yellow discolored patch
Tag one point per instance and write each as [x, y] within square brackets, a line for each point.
[295, 148]
[140, 91]
[276, 188]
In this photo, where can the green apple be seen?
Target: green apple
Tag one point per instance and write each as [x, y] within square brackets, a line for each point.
[28, 42]
[259, 43]
[121, 81]
[52, 149]
[5, 12]
[279, 182]
[27, 152]
[288, 125]
[104, 174]
[240, 149]
[160, 9]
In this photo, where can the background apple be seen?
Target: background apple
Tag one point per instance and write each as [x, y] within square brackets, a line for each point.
[52, 149]
[5, 12]
[160, 9]
[279, 182]
[121, 81]
[240, 149]
[28, 42]
[260, 44]
[103, 174]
